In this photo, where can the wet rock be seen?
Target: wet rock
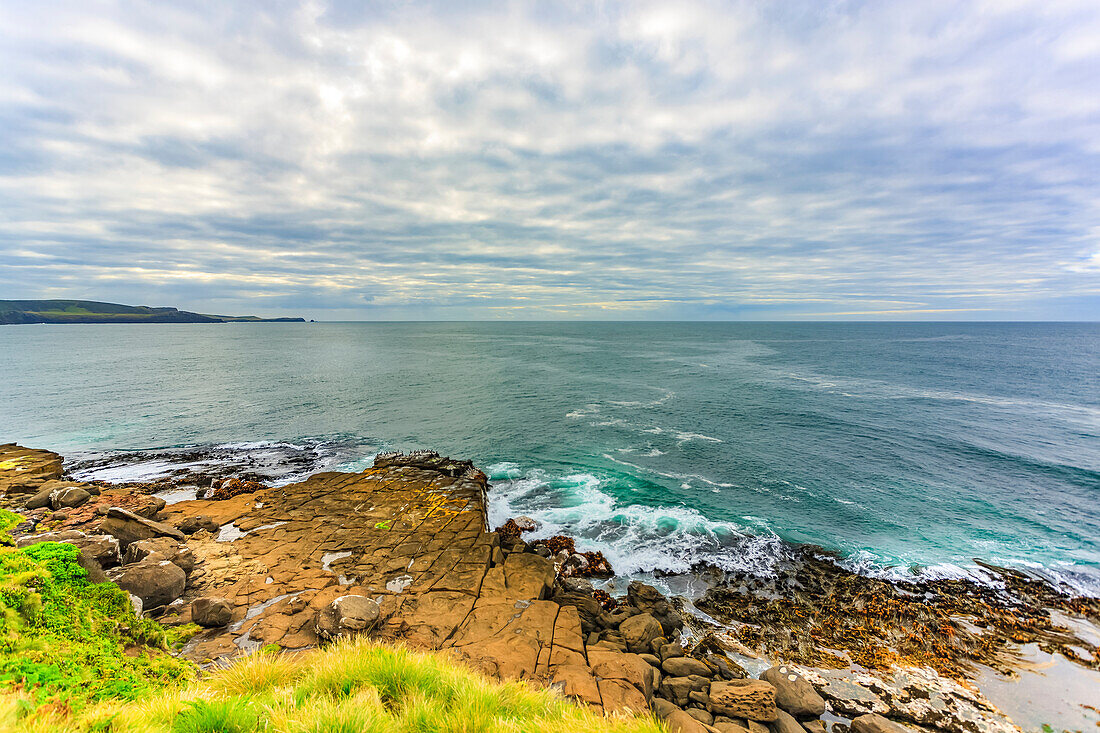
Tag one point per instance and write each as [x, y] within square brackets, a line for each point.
[786, 723]
[127, 527]
[749, 699]
[155, 582]
[161, 548]
[347, 616]
[638, 631]
[527, 524]
[793, 693]
[875, 723]
[428, 460]
[685, 666]
[727, 668]
[101, 548]
[681, 722]
[73, 496]
[648, 599]
[211, 612]
[191, 525]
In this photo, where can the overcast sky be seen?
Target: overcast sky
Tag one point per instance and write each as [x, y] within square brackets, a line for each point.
[755, 160]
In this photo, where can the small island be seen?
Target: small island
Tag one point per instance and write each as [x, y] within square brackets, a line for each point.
[90, 311]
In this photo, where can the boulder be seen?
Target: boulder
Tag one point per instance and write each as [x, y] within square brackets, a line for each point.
[875, 723]
[161, 548]
[347, 616]
[128, 527]
[662, 707]
[93, 569]
[630, 668]
[619, 696]
[749, 699]
[101, 548]
[814, 726]
[527, 524]
[786, 723]
[648, 599]
[680, 722]
[724, 726]
[701, 715]
[638, 631]
[794, 694]
[211, 612]
[68, 498]
[39, 500]
[191, 525]
[156, 582]
[588, 608]
[576, 681]
[684, 666]
[678, 689]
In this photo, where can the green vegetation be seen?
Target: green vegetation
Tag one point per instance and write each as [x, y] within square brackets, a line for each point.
[7, 521]
[66, 643]
[90, 311]
[356, 687]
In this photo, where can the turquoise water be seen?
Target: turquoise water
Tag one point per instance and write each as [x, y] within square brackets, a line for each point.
[906, 447]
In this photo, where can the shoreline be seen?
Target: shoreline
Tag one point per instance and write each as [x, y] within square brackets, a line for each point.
[731, 610]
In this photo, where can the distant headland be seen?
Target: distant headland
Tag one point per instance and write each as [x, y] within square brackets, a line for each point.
[90, 311]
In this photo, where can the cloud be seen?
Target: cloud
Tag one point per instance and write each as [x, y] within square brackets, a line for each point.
[572, 160]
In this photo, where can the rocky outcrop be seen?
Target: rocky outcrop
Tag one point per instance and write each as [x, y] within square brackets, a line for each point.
[749, 699]
[161, 548]
[25, 470]
[211, 612]
[347, 616]
[793, 693]
[156, 582]
[127, 527]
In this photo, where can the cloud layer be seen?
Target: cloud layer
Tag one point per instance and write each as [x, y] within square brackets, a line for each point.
[555, 160]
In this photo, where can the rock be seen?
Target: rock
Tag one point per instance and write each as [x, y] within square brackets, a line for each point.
[629, 668]
[191, 525]
[619, 696]
[728, 727]
[699, 698]
[662, 707]
[527, 524]
[93, 569]
[749, 699]
[39, 500]
[587, 607]
[155, 582]
[875, 723]
[161, 548]
[136, 604]
[638, 631]
[680, 722]
[684, 666]
[794, 694]
[814, 726]
[574, 564]
[727, 668]
[701, 715]
[651, 659]
[128, 527]
[211, 612]
[786, 723]
[576, 681]
[71, 497]
[101, 548]
[576, 585]
[668, 651]
[678, 689]
[648, 599]
[756, 726]
[347, 616]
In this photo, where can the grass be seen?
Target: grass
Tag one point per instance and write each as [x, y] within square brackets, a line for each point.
[349, 687]
[66, 643]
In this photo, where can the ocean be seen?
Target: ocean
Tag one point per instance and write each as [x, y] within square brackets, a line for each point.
[907, 449]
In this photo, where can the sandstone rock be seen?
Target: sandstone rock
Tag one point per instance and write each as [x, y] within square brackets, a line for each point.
[793, 693]
[680, 722]
[161, 548]
[678, 689]
[701, 715]
[211, 612]
[648, 599]
[128, 527]
[39, 500]
[662, 707]
[684, 666]
[527, 524]
[638, 631]
[156, 583]
[191, 525]
[728, 727]
[651, 659]
[667, 651]
[620, 696]
[875, 723]
[727, 668]
[587, 607]
[73, 496]
[576, 681]
[750, 699]
[347, 616]
[101, 548]
[93, 569]
[629, 668]
[814, 726]
[786, 723]
[528, 576]
[699, 697]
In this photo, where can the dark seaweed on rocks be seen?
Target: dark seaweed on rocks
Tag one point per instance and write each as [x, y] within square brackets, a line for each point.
[817, 613]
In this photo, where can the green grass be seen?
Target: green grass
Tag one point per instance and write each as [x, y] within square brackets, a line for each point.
[353, 687]
[67, 643]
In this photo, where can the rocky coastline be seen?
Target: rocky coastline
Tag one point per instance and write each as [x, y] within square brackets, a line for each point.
[402, 552]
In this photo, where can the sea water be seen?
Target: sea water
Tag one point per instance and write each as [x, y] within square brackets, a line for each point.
[907, 448]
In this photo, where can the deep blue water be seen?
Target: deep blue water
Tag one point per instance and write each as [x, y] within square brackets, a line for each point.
[899, 445]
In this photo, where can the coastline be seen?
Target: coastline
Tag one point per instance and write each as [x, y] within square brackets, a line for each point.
[750, 650]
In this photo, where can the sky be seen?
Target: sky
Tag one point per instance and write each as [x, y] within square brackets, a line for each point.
[348, 160]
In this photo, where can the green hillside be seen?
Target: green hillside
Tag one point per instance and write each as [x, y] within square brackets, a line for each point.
[91, 311]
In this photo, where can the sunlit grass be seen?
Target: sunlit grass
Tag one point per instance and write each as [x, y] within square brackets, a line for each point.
[357, 687]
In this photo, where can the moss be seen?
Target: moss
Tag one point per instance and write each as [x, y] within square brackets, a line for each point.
[7, 521]
[68, 642]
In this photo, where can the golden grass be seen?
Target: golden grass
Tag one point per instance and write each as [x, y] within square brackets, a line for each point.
[353, 687]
